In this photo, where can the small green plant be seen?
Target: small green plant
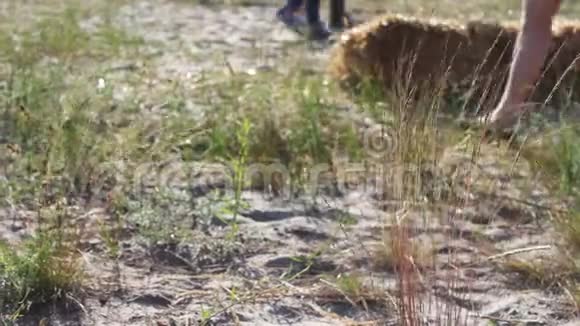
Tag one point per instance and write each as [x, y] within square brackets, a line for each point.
[110, 232]
[231, 206]
[382, 257]
[347, 219]
[556, 156]
[371, 99]
[233, 294]
[161, 216]
[63, 36]
[109, 235]
[240, 164]
[295, 124]
[206, 315]
[567, 149]
[45, 268]
[557, 159]
[299, 265]
[114, 40]
[568, 225]
[350, 284]
[558, 270]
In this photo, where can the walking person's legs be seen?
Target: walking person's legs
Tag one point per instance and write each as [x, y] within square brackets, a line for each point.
[287, 14]
[529, 55]
[312, 11]
[317, 30]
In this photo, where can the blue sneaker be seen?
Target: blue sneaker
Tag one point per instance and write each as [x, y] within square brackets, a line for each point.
[318, 32]
[290, 19]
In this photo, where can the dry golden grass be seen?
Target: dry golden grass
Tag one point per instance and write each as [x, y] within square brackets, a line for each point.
[472, 56]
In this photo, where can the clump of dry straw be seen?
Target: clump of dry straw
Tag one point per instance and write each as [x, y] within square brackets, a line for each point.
[472, 56]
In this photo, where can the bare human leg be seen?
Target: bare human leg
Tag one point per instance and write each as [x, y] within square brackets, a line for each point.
[529, 55]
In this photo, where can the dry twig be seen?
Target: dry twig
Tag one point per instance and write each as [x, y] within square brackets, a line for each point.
[518, 251]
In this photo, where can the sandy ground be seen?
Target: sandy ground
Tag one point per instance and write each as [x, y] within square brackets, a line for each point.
[179, 284]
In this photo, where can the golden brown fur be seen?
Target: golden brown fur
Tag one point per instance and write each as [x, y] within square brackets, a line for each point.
[472, 57]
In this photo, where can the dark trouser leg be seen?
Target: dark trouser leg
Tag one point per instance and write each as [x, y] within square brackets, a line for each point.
[336, 13]
[293, 5]
[313, 11]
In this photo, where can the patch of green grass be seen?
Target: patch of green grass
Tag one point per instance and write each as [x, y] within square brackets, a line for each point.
[113, 40]
[347, 219]
[62, 137]
[163, 215]
[385, 258]
[60, 130]
[371, 99]
[65, 124]
[571, 229]
[351, 285]
[559, 271]
[60, 36]
[45, 268]
[567, 150]
[294, 123]
[556, 155]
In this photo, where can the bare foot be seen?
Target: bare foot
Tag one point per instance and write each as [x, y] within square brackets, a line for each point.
[502, 118]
